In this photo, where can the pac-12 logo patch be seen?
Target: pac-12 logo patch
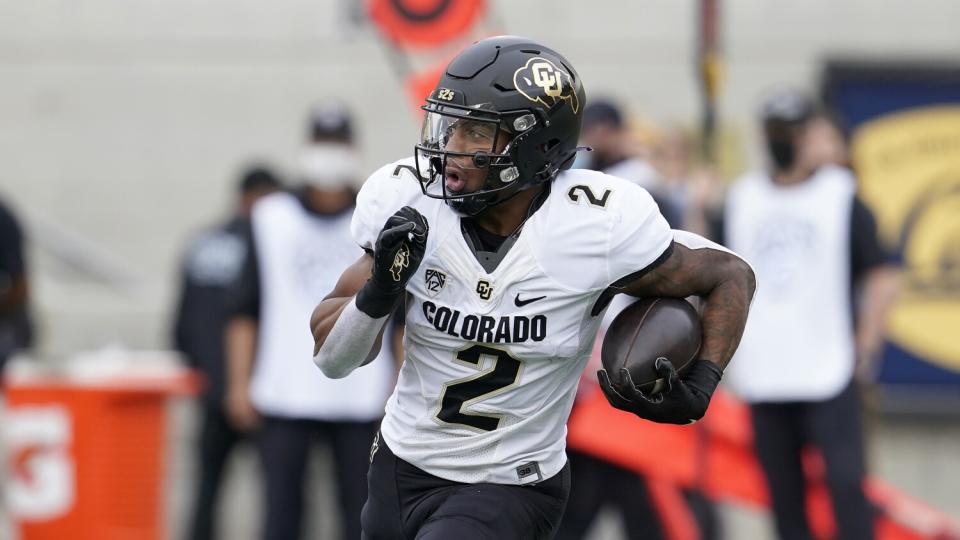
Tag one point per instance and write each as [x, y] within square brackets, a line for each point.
[434, 280]
[541, 81]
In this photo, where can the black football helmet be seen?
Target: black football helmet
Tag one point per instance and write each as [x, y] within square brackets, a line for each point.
[504, 88]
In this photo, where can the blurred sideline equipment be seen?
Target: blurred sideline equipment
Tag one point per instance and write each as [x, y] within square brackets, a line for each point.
[407, 24]
[643, 333]
[416, 30]
[86, 445]
[710, 60]
[667, 456]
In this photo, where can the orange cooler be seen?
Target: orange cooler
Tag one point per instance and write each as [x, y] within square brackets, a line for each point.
[86, 459]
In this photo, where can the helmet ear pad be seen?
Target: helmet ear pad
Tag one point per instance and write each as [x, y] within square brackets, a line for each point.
[540, 153]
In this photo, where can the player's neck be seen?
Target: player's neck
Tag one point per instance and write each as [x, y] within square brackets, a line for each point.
[506, 217]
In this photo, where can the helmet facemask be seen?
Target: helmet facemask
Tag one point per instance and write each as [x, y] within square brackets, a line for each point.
[457, 140]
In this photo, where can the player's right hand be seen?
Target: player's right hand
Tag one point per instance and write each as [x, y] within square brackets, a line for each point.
[397, 255]
[684, 401]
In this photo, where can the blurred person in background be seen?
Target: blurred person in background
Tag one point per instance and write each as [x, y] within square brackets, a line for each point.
[696, 190]
[211, 266]
[825, 141]
[615, 151]
[299, 245]
[811, 240]
[16, 330]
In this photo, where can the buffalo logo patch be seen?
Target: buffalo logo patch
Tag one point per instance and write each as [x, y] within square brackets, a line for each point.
[400, 261]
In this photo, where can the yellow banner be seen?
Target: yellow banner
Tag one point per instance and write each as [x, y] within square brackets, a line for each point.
[909, 169]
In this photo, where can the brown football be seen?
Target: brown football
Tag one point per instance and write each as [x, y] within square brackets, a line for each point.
[648, 329]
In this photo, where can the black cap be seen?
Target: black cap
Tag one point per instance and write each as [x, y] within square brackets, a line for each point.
[257, 177]
[601, 112]
[787, 105]
[330, 121]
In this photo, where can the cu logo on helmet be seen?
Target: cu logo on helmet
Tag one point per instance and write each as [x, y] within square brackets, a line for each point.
[541, 81]
[546, 77]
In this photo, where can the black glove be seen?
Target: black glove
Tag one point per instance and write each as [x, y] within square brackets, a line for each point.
[396, 256]
[684, 401]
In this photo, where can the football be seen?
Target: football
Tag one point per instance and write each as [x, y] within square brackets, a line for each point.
[648, 329]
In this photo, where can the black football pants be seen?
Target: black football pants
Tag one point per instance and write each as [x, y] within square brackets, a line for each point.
[781, 430]
[406, 503]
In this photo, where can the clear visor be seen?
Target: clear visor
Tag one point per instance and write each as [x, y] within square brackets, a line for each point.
[461, 136]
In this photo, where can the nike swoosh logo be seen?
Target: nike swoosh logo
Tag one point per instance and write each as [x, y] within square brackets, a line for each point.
[520, 303]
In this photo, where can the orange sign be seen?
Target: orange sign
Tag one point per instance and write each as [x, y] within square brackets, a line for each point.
[424, 23]
[419, 85]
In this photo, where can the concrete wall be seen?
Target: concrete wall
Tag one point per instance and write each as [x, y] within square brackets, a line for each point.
[123, 122]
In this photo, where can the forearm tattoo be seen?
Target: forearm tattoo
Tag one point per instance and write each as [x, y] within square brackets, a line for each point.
[724, 282]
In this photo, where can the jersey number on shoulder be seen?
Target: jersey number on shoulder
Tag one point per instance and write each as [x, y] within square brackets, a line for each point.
[465, 392]
[599, 202]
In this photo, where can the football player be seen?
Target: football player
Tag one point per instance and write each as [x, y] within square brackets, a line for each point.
[506, 260]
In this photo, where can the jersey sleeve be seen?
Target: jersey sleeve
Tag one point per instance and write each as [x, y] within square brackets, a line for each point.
[639, 234]
[384, 192]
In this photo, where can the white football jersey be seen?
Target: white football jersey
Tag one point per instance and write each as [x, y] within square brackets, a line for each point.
[493, 358]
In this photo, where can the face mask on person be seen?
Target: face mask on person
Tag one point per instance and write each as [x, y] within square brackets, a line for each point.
[783, 153]
[329, 166]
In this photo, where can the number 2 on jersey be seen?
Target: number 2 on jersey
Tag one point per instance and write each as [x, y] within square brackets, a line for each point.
[457, 394]
[600, 202]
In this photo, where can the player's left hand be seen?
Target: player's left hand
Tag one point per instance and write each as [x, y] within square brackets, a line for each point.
[684, 401]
